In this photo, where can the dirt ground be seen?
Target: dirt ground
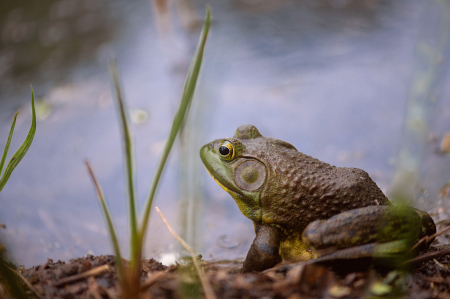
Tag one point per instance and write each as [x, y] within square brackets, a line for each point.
[95, 277]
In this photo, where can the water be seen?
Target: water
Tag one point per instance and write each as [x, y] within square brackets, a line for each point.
[333, 78]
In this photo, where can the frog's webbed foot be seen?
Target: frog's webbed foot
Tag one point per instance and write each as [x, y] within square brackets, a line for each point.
[428, 228]
[264, 252]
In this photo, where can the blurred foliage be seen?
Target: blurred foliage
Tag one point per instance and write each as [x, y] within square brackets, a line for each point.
[20, 153]
[9, 279]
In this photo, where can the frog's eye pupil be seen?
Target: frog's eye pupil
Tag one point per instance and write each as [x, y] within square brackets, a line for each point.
[226, 151]
[223, 150]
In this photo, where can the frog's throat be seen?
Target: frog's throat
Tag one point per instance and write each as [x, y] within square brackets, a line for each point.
[253, 214]
[220, 184]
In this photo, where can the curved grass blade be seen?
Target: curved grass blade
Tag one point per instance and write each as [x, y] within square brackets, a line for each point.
[207, 288]
[107, 215]
[8, 142]
[188, 92]
[20, 153]
[129, 157]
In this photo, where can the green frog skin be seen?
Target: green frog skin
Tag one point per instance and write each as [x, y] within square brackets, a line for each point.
[282, 191]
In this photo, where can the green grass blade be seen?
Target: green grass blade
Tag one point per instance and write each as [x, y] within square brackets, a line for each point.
[188, 92]
[20, 153]
[109, 223]
[129, 157]
[8, 142]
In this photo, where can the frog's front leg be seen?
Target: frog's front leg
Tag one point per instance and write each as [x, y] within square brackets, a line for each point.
[264, 252]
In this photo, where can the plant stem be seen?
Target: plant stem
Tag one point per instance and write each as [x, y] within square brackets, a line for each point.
[188, 91]
[107, 215]
[129, 163]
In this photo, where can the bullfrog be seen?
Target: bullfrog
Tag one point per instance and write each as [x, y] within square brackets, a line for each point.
[301, 207]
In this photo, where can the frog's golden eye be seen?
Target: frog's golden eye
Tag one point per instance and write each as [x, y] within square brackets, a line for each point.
[226, 150]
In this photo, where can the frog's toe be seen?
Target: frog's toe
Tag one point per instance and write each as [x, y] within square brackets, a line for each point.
[386, 255]
[428, 227]
[351, 253]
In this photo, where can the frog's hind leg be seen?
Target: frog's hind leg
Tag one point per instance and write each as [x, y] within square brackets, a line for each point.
[372, 224]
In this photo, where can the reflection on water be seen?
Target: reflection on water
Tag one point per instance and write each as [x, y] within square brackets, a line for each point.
[331, 77]
[48, 38]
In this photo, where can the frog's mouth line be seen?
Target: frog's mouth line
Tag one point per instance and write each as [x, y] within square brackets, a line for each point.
[220, 184]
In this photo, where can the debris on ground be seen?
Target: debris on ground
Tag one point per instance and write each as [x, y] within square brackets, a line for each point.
[96, 277]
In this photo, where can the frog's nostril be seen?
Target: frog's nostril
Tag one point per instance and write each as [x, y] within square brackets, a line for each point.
[211, 145]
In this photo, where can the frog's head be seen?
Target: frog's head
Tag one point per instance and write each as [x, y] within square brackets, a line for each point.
[242, 165]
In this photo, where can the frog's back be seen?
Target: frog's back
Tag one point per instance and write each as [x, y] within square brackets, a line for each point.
[303, 189]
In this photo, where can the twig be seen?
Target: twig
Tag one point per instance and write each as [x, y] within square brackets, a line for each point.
[445, 267]
[93, 272]
[42, 268]
[427, 256]
[207, 288]
[93, 288]
[152, 279]
[428, 238]
[112, 293]
[434, 279]
[2, 225]
[29, 285]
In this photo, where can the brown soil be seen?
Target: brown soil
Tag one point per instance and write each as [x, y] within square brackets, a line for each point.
[95, 277]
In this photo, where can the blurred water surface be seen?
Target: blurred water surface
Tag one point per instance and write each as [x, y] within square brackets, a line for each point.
[334, 78]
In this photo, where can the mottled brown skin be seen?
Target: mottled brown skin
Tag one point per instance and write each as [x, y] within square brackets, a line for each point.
[282, 190]
[302, 189]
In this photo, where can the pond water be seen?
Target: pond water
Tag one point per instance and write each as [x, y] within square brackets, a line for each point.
[354, 83]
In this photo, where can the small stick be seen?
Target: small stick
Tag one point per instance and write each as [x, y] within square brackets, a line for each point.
[2, 225]
[111, 293]
[29, 285]
[93, 272]
[428, 238]
[152, 279]
[209, 293]
[72, 249]
[445, 267]
[428, 256]
[93, 288]
[433, 279]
